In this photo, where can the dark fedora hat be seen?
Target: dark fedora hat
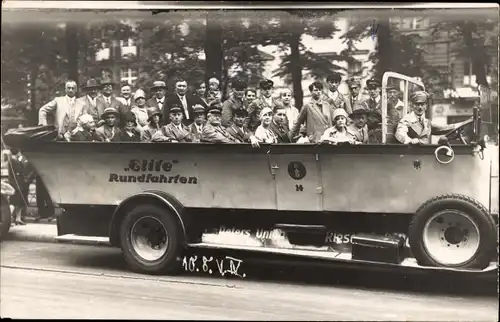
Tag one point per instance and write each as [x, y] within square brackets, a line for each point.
[107, 81]
[91, 84]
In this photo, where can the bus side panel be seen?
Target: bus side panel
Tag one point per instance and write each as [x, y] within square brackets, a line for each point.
[398, 183]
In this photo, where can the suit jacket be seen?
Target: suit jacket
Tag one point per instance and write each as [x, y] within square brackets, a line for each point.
[190, 100]
[117, 105]
[318, 119]
[228, 108]
[241, 136]
[65, 118]
[339, 102]
[216, 134]
[152, 102]
[107, 134]
[125, 103]
[361, 135]
[254, 110]
[195, 134]
[282, 132]
[170, 132]
[352, 102]
[96, 111]
[411, 127]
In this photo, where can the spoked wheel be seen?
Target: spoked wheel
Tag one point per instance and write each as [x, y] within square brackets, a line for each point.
[151, 240]
[453, 231]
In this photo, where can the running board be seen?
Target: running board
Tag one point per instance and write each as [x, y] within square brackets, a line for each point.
[327, 253]
[300, 228]
[87, 240]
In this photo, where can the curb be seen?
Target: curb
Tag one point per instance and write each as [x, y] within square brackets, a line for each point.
[19, 235]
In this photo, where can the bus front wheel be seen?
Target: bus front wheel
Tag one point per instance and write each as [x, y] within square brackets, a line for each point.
[453, 231]
[151, 240]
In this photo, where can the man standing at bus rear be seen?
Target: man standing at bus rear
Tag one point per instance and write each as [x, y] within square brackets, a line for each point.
[317, 115]
[67, 110]
[234, 103]
[333, 97]
[265, 100]
[415, 128]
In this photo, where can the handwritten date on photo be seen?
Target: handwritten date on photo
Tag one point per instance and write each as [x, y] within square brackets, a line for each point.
[227, 266]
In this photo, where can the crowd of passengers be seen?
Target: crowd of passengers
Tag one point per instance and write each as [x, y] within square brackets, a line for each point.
[244, 117]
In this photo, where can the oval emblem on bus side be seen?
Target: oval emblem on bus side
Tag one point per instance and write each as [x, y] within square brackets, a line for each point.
[296, 170]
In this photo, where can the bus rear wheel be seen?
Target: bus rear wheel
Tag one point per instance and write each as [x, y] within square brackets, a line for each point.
[151, 240]
[453, 231]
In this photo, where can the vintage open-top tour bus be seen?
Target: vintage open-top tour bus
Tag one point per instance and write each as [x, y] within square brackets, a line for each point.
[154, 200]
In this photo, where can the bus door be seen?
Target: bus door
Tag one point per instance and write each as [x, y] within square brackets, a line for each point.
[298, 184]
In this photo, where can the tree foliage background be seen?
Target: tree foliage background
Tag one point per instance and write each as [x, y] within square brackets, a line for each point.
[37, 58]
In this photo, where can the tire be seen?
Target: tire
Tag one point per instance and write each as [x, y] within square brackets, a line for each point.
[437, 217]
[166, 263]
[6, 218]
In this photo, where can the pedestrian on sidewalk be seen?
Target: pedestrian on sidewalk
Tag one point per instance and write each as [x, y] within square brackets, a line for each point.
[17, 179]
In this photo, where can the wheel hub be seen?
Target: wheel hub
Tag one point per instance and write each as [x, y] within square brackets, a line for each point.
[149, 238]
[451, 238]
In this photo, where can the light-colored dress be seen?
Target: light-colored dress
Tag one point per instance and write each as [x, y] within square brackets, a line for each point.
[265, 135]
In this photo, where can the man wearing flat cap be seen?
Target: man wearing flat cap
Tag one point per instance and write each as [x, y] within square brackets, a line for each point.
[358, 127]
[373, 106]
[109, 132]
[91, 104]
[355, 98]
[415, 128]
[213, 132]
[265, 100]
[333, 96]
[158, 99]
[234, 103]
[153, 126]
[175, 131]
[239, 131]
[196, 128]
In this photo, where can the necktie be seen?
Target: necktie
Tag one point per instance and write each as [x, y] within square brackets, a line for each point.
[160, 104]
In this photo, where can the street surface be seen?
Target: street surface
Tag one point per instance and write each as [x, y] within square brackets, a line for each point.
[54, 280]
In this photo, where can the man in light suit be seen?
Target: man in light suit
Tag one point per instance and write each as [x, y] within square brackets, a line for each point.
[67, 110]
[415, 128]
[91, 105]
